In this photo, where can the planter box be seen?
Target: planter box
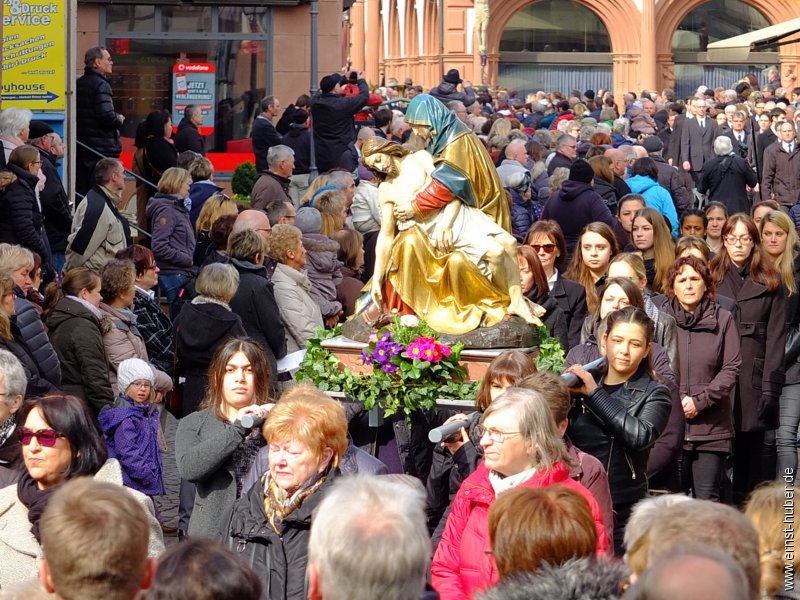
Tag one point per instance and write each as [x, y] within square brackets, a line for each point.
[476, 361]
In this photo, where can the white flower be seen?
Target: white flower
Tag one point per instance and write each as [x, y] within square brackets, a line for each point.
[409, 320]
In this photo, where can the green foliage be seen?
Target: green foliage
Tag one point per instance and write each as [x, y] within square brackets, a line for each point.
[244, 178]
[399, 381]
[551, 355]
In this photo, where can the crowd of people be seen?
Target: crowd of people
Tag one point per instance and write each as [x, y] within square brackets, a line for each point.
[657, 232]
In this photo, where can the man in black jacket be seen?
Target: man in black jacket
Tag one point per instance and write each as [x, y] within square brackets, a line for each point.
[97, 123]
[53, 198]
[188, 136]
[447, 90]
[264, 134]
[332, 123]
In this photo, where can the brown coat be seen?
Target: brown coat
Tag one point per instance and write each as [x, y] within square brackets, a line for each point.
[269, 187]
[762, 325]
[708, 350]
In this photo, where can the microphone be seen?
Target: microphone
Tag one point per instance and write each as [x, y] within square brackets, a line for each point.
[443, 432]
[593, 367]
[253, 419]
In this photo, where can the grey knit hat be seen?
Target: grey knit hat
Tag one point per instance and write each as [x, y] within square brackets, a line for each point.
[133, 369]
[308, 220]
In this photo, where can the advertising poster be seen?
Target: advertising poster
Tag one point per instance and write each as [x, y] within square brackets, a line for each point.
[194, 83]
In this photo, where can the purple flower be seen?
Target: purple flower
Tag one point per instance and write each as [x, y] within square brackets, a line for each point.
[389, 367]
[366, 358]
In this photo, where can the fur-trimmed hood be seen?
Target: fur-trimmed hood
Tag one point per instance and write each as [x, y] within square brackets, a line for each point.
[316, 242]
[576, 579]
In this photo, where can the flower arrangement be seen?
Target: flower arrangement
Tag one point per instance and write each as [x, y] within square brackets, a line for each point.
[410, 367]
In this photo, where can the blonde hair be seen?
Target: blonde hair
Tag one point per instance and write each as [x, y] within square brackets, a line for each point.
[330, 205]
[13, 257]
[95, 538]
[172, 180]
[634, 261]
[319, 182]
[785, 262]
[217, 205]
[285, 238]
[6, 287]
[765, 509]
[307, 415]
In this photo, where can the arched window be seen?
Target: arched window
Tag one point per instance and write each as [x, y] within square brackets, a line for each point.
[710, 22]
[555, 45]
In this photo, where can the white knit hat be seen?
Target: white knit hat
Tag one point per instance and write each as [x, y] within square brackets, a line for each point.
[133, 369]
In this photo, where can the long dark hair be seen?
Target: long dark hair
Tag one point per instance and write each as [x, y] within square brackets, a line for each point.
[511, 366]
[69, 416]
[761, 269]
[216, 373]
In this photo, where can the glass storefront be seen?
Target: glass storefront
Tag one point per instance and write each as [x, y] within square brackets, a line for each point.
[555, 45]
[147, 41]
[716, 20]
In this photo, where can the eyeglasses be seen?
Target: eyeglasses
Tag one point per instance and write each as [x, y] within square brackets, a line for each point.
[548, 248]
[742, 239]
[143, 384]
[45, 437]
[495, 434]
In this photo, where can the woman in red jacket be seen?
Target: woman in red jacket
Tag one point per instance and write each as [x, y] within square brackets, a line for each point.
[522, 448]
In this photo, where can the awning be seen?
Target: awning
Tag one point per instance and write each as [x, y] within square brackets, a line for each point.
[739, 47]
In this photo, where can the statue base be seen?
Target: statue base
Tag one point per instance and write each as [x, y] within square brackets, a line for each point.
[511, 332]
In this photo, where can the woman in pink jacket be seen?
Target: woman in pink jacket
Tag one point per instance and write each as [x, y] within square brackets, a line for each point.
[521, 448]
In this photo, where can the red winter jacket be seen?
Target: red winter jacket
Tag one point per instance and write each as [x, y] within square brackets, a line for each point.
[461, 566]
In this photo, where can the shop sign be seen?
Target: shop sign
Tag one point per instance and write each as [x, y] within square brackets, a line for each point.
[194, 83]
[34, 54]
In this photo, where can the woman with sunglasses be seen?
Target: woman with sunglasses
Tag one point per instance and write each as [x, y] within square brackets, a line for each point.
[743, 272]
[59, 442]
[522, 447]
[547, 240]
[618, 417]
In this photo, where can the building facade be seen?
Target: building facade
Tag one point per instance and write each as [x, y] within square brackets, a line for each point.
[565, 44]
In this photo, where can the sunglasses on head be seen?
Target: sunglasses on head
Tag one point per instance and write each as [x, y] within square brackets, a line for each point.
[45, 437]
[546, 247]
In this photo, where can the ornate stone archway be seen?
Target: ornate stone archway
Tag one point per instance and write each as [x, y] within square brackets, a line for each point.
[670, 14]
[621, 18]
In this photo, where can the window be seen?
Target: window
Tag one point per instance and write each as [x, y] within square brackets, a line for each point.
[146, 42]
[555, 26]
[713, 21]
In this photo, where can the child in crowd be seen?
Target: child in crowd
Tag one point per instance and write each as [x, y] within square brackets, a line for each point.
[322, 264]
[131, 431]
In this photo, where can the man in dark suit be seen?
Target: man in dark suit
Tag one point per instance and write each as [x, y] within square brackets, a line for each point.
[697, 140]
[765, 138]
[741, 139]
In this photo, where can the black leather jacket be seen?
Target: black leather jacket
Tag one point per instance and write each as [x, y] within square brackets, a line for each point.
[619, 428]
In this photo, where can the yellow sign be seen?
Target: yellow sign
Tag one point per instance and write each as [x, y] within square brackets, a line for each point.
[34, 54]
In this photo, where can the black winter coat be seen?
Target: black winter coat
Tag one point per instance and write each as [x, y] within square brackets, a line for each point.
[160, 155]
[448, 92]
[55, 205]
[762, 326]
[619, 428]
[571, 299]
[22, 222]
[334, 132]
[264, 137]
[96, 122]
[77, 339]
[792, 326]
[607, 192]
[554, 318]
[724, 179]
[298, 138]
[671, 180]
[255, 304]
[523, 215]
[279, 560]
[189, 138]
[708, 347]
[199, 330]
[34, 336]
[37, 385]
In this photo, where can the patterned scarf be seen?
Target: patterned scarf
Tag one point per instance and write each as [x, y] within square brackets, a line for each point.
[7, 429]
[279, 504]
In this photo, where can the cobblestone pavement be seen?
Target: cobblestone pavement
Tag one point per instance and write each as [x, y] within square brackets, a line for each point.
[168, 504]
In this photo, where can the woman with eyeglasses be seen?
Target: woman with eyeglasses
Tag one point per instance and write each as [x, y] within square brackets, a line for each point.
[743, 272]
[618, 417]
[547, 240]
[59, 442]
[22, 221]
[522, 447]
[154, 326]
[780, 243]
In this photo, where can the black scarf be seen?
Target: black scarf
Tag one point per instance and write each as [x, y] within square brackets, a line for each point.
[686, 320]
[34, 499]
